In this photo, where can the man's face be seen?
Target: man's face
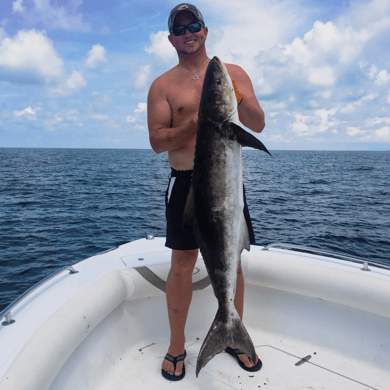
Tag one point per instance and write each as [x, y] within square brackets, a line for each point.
[188, 43]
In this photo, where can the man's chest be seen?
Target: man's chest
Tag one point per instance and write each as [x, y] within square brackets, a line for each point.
[184, 97]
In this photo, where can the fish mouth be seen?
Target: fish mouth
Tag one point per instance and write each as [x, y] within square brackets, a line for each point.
[220, 66]
[217, 60]
[218, 63]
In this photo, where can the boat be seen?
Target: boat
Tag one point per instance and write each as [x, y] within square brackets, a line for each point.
[317, 320]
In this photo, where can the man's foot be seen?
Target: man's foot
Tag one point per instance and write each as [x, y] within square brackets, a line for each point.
[244, 360]
[169, 367]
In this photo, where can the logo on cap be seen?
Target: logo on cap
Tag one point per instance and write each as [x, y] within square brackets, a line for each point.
[181, 7]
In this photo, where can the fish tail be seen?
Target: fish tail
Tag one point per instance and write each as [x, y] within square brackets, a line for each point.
[222, 334]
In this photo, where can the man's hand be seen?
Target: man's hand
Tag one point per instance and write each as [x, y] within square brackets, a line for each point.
[249, 111]
[193, 124]
[238, 94]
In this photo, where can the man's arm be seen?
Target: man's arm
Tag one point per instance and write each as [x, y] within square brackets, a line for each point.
[249, 111]
[162, 137]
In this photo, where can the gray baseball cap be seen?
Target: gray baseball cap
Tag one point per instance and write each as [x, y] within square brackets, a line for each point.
[184, 7]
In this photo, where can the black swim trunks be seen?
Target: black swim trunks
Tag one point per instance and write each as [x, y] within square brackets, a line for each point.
[175, 200]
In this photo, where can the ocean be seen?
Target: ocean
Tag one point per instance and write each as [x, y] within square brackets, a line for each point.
[61, 206]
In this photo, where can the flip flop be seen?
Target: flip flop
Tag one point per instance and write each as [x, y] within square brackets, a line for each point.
[236, 352]
[174, 360]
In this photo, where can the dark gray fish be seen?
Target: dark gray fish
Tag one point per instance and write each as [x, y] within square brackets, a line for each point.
[215, 203]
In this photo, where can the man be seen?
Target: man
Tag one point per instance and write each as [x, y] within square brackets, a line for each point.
[173, 105]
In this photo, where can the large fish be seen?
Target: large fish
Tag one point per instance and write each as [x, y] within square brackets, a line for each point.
[215, 204]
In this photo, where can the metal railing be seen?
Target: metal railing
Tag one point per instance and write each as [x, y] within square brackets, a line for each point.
[7, 311]
[365, 263]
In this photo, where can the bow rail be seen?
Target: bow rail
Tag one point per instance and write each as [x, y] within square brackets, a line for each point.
[7, 311]
[365, 263]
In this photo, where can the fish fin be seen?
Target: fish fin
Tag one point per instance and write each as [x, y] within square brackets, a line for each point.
[222, 334]
[189, 209]
[246, 244]
[246, 139]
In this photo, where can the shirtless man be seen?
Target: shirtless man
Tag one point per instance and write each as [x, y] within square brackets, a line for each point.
[173, 105]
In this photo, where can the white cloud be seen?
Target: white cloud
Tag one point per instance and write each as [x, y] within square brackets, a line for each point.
[383, 134]
[100, 117]
[17, 6]
[142, 77]
[373, 71]
[299, 126]
[351, 107]
[96, 55]
[380, 135]
[312, 65]
[161, 47]
[142, 107]
[382, 78]
[251, 27]
[138, 117]
[352, 131]
[56, 122]
[326, 94]
[76, 81]
[321, 76]
[323, 114]
[70, 85]
[101, 101]
[72, 115]
[54, 16]
[3, 33]
[30, 54]
[63, 119]
[375, 121]
[278, 138]
[325, 49]
[309, 125]
[373, 16]
[328, 49]
[31, 51]
[28, 113]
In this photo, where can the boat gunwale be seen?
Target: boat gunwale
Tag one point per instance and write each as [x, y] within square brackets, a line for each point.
[339, 256]
[6, 313]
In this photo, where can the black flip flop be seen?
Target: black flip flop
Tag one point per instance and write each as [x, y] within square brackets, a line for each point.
[174, 360]
[236, 352]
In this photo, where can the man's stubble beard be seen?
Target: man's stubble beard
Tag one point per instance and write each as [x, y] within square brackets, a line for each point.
[194, 52]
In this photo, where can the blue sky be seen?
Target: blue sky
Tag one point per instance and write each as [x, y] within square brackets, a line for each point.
[77, 73]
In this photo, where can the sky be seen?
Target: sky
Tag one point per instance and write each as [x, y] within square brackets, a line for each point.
[76, 74]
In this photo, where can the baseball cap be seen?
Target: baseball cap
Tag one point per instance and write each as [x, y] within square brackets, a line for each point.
[184, 7]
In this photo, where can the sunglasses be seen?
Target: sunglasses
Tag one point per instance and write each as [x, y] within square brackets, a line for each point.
[181, 30]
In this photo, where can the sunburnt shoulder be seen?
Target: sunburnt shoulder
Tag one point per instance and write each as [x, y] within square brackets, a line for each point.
[250, 113]
[240, 77]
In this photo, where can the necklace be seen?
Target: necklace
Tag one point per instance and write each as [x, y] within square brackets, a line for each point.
[194, 77]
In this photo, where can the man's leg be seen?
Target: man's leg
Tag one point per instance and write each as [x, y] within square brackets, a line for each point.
[179, 294]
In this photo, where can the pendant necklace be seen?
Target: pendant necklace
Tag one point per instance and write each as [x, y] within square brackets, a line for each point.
[194, 77]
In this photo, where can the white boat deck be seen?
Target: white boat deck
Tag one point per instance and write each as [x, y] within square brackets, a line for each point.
[302, 326]
[106, 327]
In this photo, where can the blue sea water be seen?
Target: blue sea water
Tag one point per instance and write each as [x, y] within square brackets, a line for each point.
[61, 206]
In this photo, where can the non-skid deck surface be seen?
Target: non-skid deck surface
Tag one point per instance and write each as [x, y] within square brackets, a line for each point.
[140, 368]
